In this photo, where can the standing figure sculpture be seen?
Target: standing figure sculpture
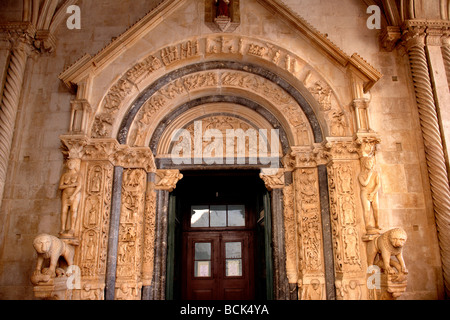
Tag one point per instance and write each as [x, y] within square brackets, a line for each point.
[370, 184]
[222, 8]
[70, 184]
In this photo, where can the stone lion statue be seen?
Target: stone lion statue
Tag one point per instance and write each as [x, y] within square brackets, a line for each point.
[386, 245]
[50, 247]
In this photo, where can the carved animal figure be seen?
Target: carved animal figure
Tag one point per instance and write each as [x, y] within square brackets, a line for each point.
[50, 247]
[386, 245]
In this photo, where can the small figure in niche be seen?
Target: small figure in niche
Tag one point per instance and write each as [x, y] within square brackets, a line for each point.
[222, 8]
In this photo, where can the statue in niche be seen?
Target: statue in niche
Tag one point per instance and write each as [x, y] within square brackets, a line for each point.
[223, 8]
[70, 184]
[369, 180]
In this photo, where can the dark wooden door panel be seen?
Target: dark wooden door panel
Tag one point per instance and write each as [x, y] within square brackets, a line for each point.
[219, 266]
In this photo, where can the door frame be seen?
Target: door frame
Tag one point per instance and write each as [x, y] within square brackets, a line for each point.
[174, 226]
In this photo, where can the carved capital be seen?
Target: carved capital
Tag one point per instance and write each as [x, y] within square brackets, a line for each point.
[45, 41]
[306, 157]
[367, 144]
[73, 147]
[413, 35]
[341, 148]
[424, 32]
[140, 157]
[390, 37]
[273, 180]
[82, 147]
[167, 179]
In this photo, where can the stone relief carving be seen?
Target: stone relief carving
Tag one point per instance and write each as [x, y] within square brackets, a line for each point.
[312, 291]
[90, 293]
[70, 184]
[233, 79]
[95, 224]
[348, 290]
[131, 228]
[211, 145]
[309, 224]
[149, 235]
[209, 46]
[167, 179]
[272, 180]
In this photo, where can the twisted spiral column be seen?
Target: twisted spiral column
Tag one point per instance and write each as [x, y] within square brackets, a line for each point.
[9, 105]
[434, 151]
[446, 56]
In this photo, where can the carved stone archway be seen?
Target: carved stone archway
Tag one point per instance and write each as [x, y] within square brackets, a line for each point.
[124, 138]
[312, 253]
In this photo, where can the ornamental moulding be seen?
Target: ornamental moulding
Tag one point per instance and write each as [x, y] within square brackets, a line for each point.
[91, 65]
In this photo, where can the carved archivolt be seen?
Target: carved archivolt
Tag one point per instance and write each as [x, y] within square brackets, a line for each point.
[168, 92]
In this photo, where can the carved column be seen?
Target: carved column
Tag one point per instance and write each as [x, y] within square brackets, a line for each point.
[303, 224]
[149, 237]
[275, 184]
[94, 234]
[414, 41]
[130, 244]
[12, 92]
[114, 224]
[347, 223]
[446, 55]
[165, 182]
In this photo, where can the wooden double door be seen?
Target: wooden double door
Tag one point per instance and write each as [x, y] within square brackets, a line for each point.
[219, 265]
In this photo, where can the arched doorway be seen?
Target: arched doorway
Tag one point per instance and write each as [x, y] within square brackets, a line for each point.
[132, 135]
[219, 237]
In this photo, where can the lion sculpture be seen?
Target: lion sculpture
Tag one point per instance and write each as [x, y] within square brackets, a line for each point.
[50, 247]
[386, 245]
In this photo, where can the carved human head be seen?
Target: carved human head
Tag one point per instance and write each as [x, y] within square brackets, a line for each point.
[315, 284]
[368, 162]
[42, 243]
[73, 164]
[398, 237]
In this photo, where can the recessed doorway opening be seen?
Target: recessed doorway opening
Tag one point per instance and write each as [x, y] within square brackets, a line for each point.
[219, 237]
